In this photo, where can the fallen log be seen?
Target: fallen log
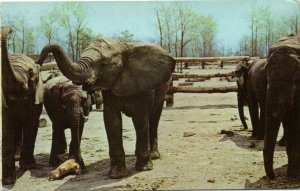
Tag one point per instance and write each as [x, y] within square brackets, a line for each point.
[212, 59]
[68, 167]
[176, 76]
[176, 89]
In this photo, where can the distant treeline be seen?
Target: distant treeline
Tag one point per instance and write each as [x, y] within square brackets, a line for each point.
[180, 30]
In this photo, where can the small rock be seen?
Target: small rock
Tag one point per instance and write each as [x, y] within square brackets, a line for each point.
[229, 133]
[211, 181]
[188, 134]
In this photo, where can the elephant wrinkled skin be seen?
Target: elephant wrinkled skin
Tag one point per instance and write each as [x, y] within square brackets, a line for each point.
[134, 79]
[283, 103]
[21, 107]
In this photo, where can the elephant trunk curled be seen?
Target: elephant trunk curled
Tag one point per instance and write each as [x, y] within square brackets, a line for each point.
[80, 73]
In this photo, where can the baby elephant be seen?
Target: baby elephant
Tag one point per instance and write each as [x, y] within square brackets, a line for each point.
[67, 106]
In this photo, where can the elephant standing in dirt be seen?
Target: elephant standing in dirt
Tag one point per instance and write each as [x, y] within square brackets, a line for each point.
[134, 79]
[252, 85]
[283, 103]
[67, 106]
[22, 100]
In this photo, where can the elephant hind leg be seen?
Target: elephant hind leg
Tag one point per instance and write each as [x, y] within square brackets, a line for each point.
[253, 110]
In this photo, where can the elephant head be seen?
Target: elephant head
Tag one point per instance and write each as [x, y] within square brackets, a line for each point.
[124, 68]
[20, 75]
[283, 102]
[241, 72]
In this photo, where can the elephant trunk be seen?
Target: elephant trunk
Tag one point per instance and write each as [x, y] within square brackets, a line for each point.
[79, 73]
[241, 97]
[11, 82]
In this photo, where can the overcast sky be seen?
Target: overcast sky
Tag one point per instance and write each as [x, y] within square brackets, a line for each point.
[111, 17]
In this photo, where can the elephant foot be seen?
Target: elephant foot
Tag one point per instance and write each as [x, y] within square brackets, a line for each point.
[8, 180]
[293, 170]
[282, 142]
[155, 154]
[141, 165]
[116, 172]
[27, 165]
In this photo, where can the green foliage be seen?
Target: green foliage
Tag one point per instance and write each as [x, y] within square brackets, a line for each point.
[125, 36]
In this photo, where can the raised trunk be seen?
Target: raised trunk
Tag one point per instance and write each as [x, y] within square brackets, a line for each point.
[78, 73]
[10, 82]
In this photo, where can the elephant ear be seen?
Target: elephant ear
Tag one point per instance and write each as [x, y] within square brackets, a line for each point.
[144, 67]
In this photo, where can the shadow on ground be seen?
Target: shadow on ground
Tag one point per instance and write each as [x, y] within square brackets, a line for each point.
[97, 178]
[243, 139]
[220, 106]
[281, 181]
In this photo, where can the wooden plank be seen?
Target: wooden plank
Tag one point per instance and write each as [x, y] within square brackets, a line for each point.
[176, 89]
[211, 59]
[206, 76]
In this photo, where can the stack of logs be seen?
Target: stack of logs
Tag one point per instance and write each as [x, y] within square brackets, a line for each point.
[202, 77]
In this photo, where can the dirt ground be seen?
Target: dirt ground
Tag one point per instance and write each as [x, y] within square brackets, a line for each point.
[205, 159]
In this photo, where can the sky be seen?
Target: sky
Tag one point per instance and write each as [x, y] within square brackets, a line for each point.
[138, 17]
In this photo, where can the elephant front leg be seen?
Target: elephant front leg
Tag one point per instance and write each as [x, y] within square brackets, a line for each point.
[113, 126]
[141, 124]
[8, 160]
[59, 145]
[76, 134]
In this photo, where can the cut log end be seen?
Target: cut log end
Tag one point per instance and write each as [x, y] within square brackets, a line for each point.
[68, 167]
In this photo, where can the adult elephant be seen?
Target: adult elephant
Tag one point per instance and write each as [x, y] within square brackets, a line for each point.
[252, 86]
[67, 106]
[134, 79]
[283, 103]
[21, 107]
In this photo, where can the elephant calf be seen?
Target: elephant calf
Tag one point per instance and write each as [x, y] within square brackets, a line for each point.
[67, 106]
[252, 85]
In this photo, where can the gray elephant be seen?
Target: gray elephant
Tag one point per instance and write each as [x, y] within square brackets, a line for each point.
[134, 79]
[252, 86]
[22, 100]
[67, 106]
[283, 103]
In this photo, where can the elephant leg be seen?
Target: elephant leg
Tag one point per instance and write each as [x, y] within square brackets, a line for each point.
[27, 160]
[74, 151]
[59, 144]
[293, 141]
[113, 126]
[253, 110]
[140, 120]
[154, 121]
[8, 160]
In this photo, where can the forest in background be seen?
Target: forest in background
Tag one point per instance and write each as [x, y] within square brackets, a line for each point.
[180, 31]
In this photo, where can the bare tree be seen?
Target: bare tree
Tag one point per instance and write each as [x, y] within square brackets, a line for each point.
[73, 20]
[48, 24]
